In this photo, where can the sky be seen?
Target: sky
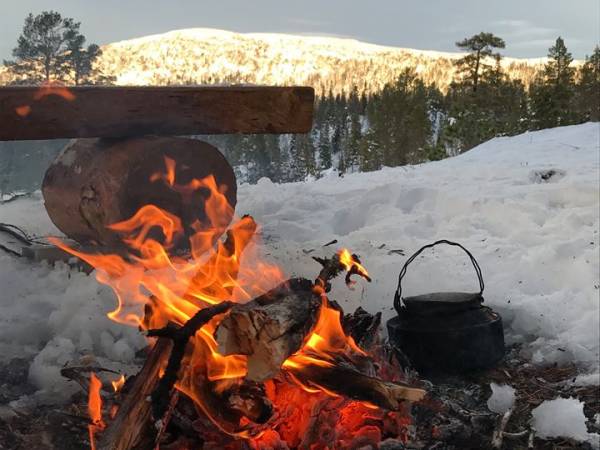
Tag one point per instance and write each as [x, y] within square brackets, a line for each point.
[529, 27]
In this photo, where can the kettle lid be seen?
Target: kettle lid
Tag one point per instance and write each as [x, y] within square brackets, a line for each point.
[442, 303]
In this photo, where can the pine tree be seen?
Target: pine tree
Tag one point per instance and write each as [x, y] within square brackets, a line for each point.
[479, 47]
[81, 61]
[50, 48]
[497, 108]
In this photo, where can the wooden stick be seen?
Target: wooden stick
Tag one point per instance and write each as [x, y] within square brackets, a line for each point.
[56, 113]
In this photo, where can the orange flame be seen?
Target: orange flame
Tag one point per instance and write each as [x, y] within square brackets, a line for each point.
[174, 289]
[327, 340]
[95, 408]
[118, 384]
[351, 264]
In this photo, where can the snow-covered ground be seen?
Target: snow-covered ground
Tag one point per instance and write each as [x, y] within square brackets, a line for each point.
[536, 240]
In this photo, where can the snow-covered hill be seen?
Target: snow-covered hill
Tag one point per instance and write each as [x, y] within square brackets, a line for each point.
[526, 206]
[207, 56]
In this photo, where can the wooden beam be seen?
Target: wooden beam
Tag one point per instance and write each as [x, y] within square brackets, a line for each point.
[52, 112]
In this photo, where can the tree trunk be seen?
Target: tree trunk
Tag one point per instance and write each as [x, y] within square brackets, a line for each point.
[476, 77]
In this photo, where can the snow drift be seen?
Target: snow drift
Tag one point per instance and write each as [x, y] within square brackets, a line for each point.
[526, 206]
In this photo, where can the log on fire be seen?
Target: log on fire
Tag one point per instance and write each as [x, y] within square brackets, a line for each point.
[270, 328]
[342, 377]
[94, 183]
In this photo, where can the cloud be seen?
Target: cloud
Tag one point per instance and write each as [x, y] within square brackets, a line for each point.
[523, 29]
[546, 43]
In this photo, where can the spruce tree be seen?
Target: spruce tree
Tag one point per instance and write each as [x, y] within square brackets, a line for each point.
[353, 142]
[324, 146]
[588, 88]
[552, 94]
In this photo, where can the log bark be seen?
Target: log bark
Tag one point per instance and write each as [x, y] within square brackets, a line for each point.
[97, 182]
[270, 328]
[81, 112]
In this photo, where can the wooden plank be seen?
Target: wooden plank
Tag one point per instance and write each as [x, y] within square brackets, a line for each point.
[57, 112]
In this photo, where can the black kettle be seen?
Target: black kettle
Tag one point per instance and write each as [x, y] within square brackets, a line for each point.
[446, 331]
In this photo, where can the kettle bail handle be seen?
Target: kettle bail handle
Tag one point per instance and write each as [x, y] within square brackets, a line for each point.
[398, 294]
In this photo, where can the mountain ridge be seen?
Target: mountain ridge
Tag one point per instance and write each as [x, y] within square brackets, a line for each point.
[329, 64]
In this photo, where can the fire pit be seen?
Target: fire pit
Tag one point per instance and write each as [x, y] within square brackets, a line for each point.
[241, 357]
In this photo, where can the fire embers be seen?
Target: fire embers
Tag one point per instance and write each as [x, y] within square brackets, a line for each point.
[284, 369]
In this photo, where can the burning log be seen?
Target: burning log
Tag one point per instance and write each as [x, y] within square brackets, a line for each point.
[342, 377]
[180, 338]
[269, 328]
[95, 183]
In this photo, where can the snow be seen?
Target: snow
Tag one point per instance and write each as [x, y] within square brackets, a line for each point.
[562, 417]
[535, 237]
[502, 398]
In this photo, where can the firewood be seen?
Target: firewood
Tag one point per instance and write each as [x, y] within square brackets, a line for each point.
[363, 327]
[94, 183]
[131, 422]
[341, 377]
[270, 328]
[82, 112]
[180, 338]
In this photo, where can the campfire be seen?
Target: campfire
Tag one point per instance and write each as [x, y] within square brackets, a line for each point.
[267, 362]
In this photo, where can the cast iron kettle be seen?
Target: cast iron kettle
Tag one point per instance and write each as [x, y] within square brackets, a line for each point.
[446, 331]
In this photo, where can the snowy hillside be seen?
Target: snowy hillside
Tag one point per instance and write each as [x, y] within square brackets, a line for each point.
[526, 206]
[216, 56]
[208, 56]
